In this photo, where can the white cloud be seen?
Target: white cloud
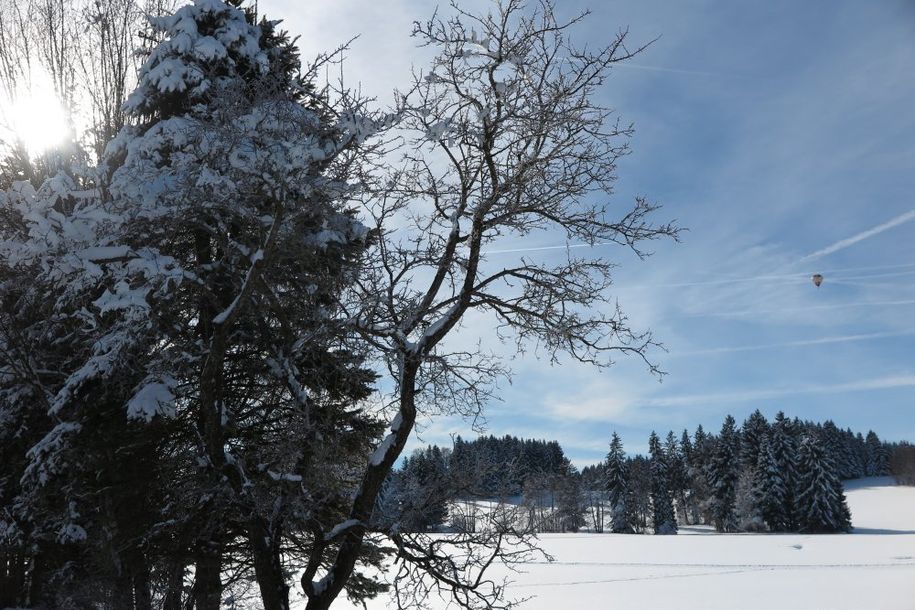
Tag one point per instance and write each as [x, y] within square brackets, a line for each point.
[601, 407]
[540, 248]
[618, 406]
[854, 239]
[802, 343]
[781, 310]
[879, 383]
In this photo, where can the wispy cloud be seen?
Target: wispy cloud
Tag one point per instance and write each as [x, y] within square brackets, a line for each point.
[754, 312]
[623, 407]
[605, 407]
[833, 275]
[880, 383]
[752, 279]
[636, 66]
[539, 248]
[854, 239]
[803, 343]
[793, 278]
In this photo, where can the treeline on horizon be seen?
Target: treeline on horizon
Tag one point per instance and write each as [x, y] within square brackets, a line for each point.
[780, 476]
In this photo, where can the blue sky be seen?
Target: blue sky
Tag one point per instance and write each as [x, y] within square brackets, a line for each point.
[782, 135]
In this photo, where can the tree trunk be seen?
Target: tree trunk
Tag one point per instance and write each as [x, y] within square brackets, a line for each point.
[175, 586]
[364, 503]
[685, 509]
[142, 596]
[207, 592]
[37, 576]
[207, 579]
[268, 569]
[123, 591]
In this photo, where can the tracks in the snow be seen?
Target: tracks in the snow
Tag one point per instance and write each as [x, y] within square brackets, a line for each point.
[635, 564]
[719, 570]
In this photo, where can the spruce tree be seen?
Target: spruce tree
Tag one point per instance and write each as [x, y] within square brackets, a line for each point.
[570, 500]
[230, 172]
[751, 434]
[859, 445]
[821, 505]
[747, 505]
[423, 491]
[877, 456]
[700, 490]
[836, 443]
[621, 518]
[686, 447]
[691, 508]
[723, 475]
[664, 519]
[771, 489]
[203, 380]
[784, 447]
[639, 492]
[676, 474]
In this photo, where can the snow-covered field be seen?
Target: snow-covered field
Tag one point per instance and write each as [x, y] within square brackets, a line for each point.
[874, 568]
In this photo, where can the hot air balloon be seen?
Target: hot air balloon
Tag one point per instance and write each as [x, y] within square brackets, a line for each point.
[817, 279]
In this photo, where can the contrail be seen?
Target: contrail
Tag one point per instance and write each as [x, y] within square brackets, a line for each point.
[538, 249]
[802, 343]
[635, 66]
[739, 280]
[850, 241]
[788, 277]
[753, 312]
[869, 268]
[857, 280]
[662, 69]
[880, 383]
[794, 277]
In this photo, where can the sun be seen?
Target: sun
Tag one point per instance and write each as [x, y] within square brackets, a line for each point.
[39, 122]
[36, 118]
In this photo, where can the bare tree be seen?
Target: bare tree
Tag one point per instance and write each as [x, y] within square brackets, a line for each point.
[502, 139]
[89, 50]
[111, 44]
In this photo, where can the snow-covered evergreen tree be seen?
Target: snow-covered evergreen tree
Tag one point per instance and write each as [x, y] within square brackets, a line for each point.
[686, 447]
[638, 497]
[692, 495]
[754, 428]
[821, 505]
[836, 443]
[771, 488]
[571, 504]
[676, 474]
[664, 518]
[859, 448]
[877, 455]
[421, 491]
[723, 473]
[747, 504]
[784, 442]
[236, 181]
[621, 517]
[699, 463]
[194, 278]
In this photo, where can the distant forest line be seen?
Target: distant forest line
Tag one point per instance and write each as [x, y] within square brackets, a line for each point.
[760, 476]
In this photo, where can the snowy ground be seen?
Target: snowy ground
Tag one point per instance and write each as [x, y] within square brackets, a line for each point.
[702, 570]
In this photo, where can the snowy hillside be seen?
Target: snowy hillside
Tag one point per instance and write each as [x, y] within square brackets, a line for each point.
[872, 568]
